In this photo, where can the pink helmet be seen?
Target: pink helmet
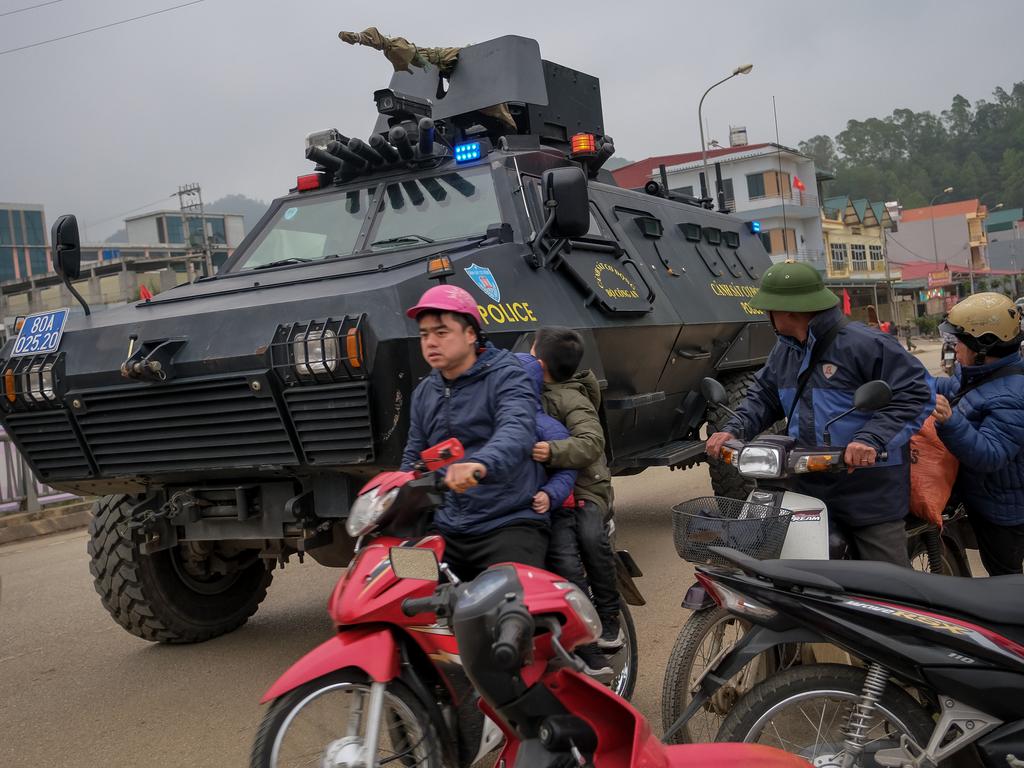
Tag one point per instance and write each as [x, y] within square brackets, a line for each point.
[447, 298]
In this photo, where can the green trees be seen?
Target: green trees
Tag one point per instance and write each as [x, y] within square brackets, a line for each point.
[910, 156]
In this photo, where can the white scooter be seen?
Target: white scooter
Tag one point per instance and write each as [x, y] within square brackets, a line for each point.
[772, 522]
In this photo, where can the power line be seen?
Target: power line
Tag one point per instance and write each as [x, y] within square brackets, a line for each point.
[133, 210]
[96, 29]
[30, 7]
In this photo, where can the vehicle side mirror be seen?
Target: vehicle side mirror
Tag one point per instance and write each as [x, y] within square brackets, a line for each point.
[67, 247]
[414, 563]
[872, 396]
[567, 197]
[713, 391]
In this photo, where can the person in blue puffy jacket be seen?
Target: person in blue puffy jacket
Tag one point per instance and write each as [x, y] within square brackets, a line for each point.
[980, 415]
[482, 396]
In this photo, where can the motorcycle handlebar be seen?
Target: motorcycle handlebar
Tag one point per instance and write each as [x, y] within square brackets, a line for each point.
[414, 606]
[512, 629]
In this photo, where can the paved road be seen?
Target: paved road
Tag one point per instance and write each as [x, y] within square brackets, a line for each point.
[76, 690]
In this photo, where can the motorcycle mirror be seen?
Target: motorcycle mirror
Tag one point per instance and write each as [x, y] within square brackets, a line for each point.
[872, 396]
[713, 391]
[414, 563]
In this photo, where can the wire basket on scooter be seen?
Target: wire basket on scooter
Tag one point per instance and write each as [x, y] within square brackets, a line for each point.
[757, 530]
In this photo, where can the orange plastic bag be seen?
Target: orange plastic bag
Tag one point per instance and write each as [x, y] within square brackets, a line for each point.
[932, 474]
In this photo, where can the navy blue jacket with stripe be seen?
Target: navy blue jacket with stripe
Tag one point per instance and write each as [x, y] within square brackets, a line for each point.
[858, 354]
[986, 432]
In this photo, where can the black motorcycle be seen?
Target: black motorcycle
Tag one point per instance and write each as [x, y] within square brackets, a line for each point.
[938, 663]
[948, 356]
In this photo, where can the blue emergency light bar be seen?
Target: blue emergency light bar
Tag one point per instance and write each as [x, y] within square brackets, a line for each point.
[755, 227]
[468, 152]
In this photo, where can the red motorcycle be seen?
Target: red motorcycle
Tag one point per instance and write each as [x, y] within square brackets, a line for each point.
[516, 627]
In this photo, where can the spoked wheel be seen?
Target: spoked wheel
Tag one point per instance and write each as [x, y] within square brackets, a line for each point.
[325, 724]
[805, 711]
[707, 635]
[625, 661]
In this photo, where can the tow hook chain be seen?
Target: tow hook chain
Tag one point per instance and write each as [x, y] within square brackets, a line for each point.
[150, 517]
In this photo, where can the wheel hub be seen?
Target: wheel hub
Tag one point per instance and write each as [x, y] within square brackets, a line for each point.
[346, 752]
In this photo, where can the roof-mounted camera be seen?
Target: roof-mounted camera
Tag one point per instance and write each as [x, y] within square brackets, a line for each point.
[401, 106]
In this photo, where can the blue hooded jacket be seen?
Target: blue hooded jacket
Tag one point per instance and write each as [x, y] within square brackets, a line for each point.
[986, 433]
[560, 482]
[491, 409]
[858, 354]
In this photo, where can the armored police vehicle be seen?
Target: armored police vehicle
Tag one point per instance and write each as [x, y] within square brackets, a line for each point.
[228, 422]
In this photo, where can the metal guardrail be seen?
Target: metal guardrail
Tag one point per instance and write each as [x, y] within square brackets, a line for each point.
[20, 491]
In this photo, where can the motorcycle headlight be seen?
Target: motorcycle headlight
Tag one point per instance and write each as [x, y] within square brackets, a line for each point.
[367, 510]
[583, 608]
[760, 461]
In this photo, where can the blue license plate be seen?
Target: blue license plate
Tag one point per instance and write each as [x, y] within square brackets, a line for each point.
[40, 334]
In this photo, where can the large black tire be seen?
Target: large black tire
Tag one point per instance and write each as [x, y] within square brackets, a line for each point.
[725, 480]
[146, 595]
[284, 708]
[895, 703]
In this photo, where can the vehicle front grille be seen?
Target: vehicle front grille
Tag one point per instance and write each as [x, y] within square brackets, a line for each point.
[333, 422]
[49, 443]
[199, 424]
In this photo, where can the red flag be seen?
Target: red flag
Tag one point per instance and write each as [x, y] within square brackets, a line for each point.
[144, 293]
[797, 184]
[846, 302]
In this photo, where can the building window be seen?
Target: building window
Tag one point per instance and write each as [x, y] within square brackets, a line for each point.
[859, 257]
[839, 257]
[782, 241]
[19, 237]
[6, 261]
[5, 228]
[217, 233]
[755, 185]
[195, 232]
[34, 229]
[877, 260]
[687, 190]
[37, 260]
[778, 184]
[175, 232]
[161, 231]
[766, 240]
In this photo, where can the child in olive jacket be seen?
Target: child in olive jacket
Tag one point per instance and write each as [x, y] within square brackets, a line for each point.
[573, 398]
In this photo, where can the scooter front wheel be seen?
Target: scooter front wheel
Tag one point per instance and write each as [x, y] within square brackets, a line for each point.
[329, 722]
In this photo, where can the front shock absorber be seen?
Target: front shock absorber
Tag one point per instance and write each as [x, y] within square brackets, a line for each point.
[933, 545]
[859, 722]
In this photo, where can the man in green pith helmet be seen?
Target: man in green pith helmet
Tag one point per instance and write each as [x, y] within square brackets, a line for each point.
[810, 376]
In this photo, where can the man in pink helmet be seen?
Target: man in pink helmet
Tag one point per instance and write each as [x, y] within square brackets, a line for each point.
[482, 396]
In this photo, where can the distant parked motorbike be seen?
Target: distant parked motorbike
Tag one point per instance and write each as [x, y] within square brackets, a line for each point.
[941, 663]
[772, 522]
[948, 356]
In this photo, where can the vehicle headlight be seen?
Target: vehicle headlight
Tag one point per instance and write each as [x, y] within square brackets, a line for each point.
[316, 352]
[583, 608]
[39, 382]
[760, 461]
[367, 510]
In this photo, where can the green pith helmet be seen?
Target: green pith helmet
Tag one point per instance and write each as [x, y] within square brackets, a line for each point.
[793, 287]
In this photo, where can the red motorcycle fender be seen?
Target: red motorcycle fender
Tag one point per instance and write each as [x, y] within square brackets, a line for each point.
[374, 651]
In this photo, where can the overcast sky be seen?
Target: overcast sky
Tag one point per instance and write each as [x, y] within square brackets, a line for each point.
[224, 92]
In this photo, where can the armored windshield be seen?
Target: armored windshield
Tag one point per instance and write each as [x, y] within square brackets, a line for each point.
[411, 212]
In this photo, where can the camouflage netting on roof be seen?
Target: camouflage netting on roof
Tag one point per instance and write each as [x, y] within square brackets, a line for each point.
[402, 54]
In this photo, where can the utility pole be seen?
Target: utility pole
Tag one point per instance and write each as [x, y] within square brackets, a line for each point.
[190, 197]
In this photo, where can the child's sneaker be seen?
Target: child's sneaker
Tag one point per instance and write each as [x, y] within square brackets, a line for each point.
[612, 637]
[595, 664]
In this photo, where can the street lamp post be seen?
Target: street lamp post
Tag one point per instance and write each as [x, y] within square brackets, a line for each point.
[741, 70]
[931, 212]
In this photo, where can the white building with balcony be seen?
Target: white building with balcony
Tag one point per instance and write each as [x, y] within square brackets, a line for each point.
[768, 183]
